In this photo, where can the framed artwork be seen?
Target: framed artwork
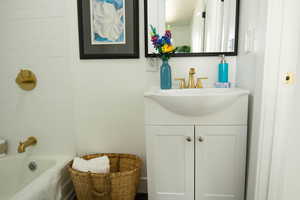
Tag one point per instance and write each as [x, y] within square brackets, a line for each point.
[108, 29]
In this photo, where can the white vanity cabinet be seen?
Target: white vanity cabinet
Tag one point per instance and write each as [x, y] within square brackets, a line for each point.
[170, 162]
[220, 153]
[196, 157]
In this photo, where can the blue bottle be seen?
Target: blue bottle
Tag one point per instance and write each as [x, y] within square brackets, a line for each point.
[223, 71]
[165, 75]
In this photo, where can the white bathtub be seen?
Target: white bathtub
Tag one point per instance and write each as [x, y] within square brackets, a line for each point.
[50, 180]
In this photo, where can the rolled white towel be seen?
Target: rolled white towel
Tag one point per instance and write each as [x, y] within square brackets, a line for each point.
[96, 165]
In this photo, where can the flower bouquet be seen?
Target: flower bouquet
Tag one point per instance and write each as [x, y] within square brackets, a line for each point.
[163, 46]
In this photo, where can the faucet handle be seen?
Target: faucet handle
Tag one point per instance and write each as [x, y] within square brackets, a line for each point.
[182, 84]
[199, 82]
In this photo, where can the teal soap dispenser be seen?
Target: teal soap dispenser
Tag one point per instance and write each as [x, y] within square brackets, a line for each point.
[223, 71]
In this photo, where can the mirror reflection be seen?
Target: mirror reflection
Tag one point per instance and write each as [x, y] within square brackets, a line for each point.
[198, 26]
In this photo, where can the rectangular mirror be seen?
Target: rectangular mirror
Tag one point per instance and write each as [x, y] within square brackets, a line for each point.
[199, 27]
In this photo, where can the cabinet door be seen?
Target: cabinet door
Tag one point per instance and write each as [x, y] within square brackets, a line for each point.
[220, 162]
[170, 162]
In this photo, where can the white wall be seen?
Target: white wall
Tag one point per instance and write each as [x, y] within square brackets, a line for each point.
[250, 76]
[219, 26]
[98, 103]
[229, 21]
[181, 34]
[197, 27]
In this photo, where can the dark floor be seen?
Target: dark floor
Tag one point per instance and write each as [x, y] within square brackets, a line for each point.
[141, 197]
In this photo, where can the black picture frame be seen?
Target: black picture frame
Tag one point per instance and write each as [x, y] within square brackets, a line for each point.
[129, 50]
[207, 54]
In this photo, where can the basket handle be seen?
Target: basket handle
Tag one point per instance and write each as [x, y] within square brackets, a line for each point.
[98, 194]
[94, 192]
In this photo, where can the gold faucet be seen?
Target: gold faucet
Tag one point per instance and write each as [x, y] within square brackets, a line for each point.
[182, 84]
[199, 82]
[191, 81]
[29, 142]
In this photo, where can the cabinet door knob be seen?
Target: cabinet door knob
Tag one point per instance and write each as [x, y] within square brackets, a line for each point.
[201, 139]
[189, 139]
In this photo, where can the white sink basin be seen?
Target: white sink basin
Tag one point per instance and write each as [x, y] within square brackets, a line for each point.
[196, 102]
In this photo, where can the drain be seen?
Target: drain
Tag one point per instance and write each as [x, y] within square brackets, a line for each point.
[32, 166]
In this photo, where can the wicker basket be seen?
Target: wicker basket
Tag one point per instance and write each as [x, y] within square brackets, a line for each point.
[120, 184]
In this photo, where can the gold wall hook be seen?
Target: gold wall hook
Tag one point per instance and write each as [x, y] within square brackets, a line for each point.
[26, 80]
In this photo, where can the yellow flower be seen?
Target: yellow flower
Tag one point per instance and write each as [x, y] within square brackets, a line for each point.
[168, 48]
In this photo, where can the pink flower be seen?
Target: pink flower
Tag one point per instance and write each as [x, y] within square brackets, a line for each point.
[154, 38]
[168, 34]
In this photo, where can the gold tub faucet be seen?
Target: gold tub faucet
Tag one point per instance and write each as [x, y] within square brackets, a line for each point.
[29, 142]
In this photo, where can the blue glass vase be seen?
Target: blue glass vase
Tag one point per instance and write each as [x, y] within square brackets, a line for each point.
[165, 75]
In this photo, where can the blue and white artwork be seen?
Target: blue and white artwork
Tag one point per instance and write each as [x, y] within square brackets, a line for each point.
[108, 22]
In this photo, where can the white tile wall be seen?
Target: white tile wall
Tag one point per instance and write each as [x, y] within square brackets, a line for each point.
[33, 36]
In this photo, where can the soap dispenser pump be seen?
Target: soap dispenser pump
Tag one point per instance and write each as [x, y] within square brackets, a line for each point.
[223, 70]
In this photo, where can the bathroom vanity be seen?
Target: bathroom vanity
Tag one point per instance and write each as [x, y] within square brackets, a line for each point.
[196, 143]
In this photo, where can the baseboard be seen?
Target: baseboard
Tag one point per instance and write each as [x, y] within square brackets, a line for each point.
[143, 185]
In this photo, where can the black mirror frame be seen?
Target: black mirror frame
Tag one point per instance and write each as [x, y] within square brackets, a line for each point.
[209, 54]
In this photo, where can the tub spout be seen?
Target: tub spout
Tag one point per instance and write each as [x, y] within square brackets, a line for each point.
[29, 142]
